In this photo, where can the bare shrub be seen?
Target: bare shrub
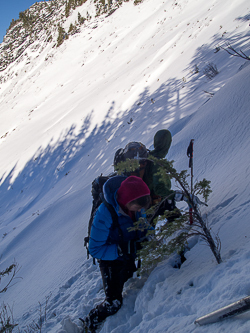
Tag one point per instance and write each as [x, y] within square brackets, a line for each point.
[210, 71]
[6, 319]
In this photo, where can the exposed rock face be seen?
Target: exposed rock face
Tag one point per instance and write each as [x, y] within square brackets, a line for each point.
[42, 24]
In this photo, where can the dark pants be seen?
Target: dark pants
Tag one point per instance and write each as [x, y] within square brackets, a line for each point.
[114, 274]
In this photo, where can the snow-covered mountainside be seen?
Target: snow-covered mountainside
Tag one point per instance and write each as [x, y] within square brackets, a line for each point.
[64, 110]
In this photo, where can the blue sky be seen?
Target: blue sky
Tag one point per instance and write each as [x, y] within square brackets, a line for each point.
[10, 9]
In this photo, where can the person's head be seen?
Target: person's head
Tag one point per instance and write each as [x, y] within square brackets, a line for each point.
[162, 143]
[133, 194]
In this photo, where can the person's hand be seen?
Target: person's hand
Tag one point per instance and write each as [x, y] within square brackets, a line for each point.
[179, 196]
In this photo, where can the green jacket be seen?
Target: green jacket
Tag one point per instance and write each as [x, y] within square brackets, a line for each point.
[159, 188]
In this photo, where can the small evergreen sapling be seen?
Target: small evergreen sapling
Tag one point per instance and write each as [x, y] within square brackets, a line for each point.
[199, 226]
[166, 239]
[172, 237]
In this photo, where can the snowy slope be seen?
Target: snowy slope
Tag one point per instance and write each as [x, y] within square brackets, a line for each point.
[65, 113]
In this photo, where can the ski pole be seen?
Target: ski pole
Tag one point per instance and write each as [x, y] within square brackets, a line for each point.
[190, 154]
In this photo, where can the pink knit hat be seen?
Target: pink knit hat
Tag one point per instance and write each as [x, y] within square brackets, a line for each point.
[131, 189]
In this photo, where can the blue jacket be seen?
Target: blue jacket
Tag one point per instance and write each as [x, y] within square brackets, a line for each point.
[104, 240]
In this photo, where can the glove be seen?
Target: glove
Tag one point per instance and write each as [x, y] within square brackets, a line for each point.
[150, 238]
[179, 196]
[197, 201]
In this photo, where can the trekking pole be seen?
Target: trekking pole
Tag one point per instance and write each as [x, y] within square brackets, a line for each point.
[190, 154]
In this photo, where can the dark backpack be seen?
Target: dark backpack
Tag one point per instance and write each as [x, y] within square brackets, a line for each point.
[133, 150]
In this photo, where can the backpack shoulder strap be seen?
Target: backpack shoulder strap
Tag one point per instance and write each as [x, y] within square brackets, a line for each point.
[114, 216]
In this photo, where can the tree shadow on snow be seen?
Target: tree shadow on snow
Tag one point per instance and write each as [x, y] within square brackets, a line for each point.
[171, 106]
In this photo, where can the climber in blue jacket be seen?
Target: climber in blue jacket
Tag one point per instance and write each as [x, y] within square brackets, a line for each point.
[115, 246]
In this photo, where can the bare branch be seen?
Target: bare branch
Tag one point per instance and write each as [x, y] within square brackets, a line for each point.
[7, 323]
[11, 270]
[231, 50]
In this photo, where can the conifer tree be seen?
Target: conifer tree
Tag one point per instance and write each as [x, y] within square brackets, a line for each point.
[61, 35]
[172, 237]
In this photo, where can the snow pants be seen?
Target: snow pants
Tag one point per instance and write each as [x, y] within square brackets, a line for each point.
[114, 274]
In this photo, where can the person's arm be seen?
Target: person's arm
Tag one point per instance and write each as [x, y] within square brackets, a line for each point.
[99, 247]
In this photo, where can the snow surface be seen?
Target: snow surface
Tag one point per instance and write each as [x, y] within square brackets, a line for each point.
[64, 114]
